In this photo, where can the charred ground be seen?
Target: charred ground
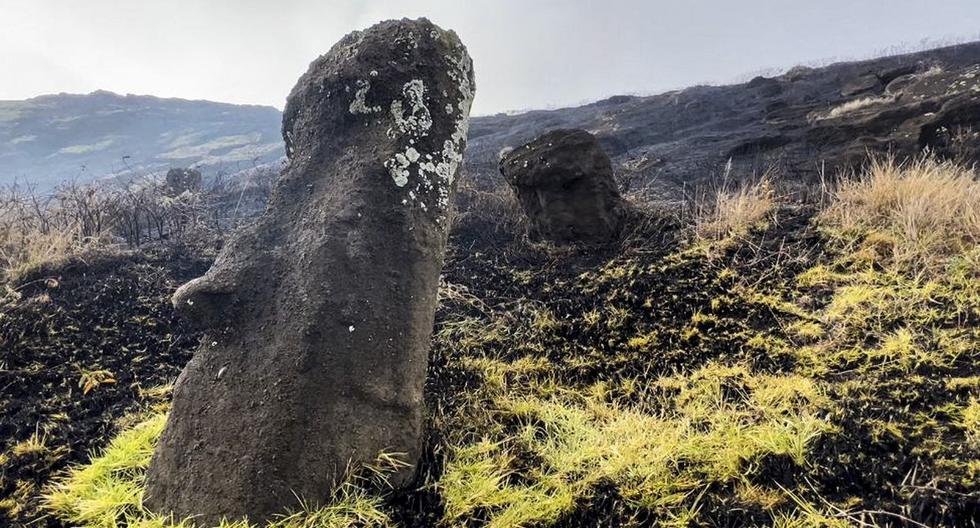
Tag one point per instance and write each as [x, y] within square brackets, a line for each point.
[641, 325]
[83, 346]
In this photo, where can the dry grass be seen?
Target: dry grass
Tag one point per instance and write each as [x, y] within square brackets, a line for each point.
[23, 250]
[488, 210]
[34, 445]
[915, 214]
[969, 420]
[856, 104]
[732, 213]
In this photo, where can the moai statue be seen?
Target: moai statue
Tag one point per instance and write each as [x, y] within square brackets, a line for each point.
[318, 317]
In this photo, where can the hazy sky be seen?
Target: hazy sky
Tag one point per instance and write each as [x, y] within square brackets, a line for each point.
[527, 53]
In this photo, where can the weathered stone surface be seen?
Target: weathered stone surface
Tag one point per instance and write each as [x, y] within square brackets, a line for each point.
[863, 84]
[931, 109]
[564, 182]
[181, 180]
[319, 316]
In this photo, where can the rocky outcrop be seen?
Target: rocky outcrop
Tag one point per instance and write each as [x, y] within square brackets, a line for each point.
[564, 182]
[932, 109]
[319, 316]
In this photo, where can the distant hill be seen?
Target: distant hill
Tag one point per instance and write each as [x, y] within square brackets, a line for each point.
[51, 138]
[799, 123]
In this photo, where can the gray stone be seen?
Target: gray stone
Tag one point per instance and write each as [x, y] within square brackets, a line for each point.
[319, 316]
[564, 182]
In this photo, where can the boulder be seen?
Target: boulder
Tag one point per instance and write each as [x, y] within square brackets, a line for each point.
[899, 83]
[182, 180]
[318, 317]
[874, 82]
[765, 86]
[564, 182]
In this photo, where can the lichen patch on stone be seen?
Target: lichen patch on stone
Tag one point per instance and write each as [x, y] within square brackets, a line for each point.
[415, 120]
[412, 121]
[359, 104]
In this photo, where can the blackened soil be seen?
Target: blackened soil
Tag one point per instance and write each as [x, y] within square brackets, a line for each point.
[114, 315]
[643, 284]
[109, 322]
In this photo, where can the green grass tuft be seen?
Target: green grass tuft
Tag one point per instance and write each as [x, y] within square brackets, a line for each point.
[108, 492]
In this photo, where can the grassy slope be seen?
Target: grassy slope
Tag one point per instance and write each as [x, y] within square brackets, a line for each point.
[815, 370]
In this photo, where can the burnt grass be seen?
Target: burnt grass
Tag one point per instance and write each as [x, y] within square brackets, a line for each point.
[110, 314]
[656, 291]
[114, 314]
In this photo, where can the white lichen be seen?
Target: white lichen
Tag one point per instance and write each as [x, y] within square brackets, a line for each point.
[417, 120]
[412, 121]
[359, 104]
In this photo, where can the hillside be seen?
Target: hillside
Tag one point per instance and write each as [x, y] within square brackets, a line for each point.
[804, 367]
[801, 122]
[52, 138]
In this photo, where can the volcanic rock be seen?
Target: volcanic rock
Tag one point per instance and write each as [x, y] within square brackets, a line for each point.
[932, 110]
[564, 182]
[319, 316]
[867, 83]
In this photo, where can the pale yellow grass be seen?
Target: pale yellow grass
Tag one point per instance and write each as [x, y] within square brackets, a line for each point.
[23, 250]
[915, 214]
[735, 212]
[857, 104]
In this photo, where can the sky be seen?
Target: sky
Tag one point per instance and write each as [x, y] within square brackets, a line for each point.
[527, 53]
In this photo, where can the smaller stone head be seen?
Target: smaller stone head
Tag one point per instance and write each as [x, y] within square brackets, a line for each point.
[564, 182]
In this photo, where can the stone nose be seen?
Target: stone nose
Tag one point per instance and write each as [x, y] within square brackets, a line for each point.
[204, 302]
